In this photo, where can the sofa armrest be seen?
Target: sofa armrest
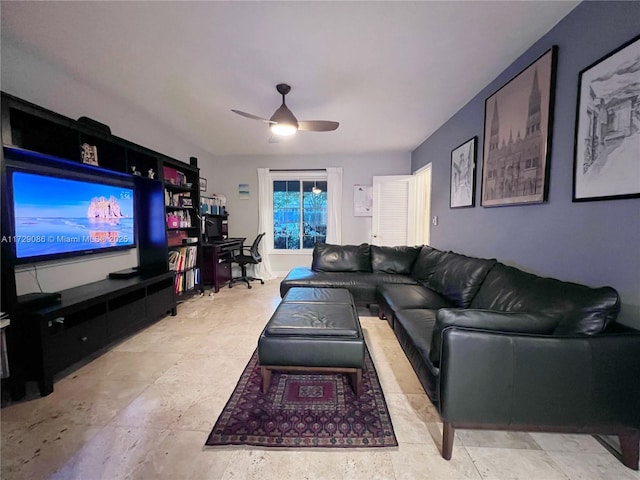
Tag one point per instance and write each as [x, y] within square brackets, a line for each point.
[511, 322]
[586, 383]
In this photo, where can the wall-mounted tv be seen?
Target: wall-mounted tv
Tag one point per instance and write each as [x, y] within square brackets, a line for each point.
[59, 217]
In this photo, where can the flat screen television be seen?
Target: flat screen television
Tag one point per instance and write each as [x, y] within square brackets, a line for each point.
[57, 217]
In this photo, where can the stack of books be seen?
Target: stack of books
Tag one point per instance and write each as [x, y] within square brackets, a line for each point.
[183, 262]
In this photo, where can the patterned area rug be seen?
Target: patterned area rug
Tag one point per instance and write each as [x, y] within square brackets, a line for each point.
[305, 410]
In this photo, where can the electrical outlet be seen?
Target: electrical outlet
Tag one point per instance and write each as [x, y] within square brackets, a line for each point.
[435, 220]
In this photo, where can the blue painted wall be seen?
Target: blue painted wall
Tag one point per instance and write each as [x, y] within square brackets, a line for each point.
[594, 243]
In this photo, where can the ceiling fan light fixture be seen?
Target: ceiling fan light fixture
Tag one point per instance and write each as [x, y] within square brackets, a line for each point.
[285, 122]
[283, 129]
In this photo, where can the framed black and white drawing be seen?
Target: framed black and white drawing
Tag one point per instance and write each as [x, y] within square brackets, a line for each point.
[203, 184]
[607, 142]
[463, 175]
[517, 136]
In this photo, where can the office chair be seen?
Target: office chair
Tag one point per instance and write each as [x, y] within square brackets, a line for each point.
[252, 258]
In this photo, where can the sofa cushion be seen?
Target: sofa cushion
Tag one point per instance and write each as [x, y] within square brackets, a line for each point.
[341, 258]
[413, 329]
[426, 263]
[405, 297]
[362, 285]
[458, 277]
[584, 310]
[511, 322]
[393, 259]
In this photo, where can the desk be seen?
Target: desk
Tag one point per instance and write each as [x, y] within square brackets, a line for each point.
[216, 261]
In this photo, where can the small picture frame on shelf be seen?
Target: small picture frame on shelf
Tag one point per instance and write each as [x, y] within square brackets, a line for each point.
[89, 154]
[203, 184]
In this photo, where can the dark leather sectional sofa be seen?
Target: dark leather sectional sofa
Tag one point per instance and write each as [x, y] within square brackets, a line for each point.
[493, 346]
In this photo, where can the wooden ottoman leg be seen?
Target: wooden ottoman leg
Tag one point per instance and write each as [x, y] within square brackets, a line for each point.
[356, 381]
[629, 446]
[266, 379]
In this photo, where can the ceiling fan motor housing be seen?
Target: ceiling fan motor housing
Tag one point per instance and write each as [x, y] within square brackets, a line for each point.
[284, 115]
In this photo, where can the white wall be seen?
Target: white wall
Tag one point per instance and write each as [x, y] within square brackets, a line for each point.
[225, 173]
[57, 275]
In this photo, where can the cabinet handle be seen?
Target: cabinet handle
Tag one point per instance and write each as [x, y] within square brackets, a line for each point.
[84, 339]
[55, 321]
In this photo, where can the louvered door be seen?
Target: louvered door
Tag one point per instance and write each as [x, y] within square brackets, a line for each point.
[389, 225]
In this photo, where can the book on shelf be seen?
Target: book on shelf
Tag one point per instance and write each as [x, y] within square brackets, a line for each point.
[177, 199]
[183, 258]
[187, 280]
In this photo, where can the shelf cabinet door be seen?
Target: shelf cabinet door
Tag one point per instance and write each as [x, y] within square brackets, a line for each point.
[160, 299]
[125, 313]
[68, 345]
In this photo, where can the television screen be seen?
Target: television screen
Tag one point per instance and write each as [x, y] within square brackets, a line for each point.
[56, 216]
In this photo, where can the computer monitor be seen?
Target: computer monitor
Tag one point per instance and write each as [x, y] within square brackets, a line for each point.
[212, 230]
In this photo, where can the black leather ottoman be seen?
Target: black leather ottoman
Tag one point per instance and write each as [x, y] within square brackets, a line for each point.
[313, 329]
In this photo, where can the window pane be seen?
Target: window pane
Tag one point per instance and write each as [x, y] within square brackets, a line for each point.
[286, 215]
[314, 214]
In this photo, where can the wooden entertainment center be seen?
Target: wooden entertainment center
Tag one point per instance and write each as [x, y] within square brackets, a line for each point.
[48, 333]
[86, 319]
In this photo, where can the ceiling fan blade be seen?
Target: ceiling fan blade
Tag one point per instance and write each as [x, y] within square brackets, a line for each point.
[251, 116]
[317, 125]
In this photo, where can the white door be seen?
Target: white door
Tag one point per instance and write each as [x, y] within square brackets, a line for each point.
[390, 221]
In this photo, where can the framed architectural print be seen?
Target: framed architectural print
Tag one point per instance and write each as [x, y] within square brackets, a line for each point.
[607, 143]
[517, 136]
[463, 175]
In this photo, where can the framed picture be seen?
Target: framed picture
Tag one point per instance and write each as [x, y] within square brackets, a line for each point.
[362, 201]
[463, 175]
[518, 121]
[89, 154]
[607, 143]
[203, 184]
[243, 191]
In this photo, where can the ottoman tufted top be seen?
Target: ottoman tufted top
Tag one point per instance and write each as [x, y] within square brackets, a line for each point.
[323, 319]
[321, 295]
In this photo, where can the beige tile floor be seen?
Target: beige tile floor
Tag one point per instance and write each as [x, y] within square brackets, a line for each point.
[143, 410]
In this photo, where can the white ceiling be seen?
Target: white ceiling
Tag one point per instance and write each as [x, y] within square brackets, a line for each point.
[390, 72]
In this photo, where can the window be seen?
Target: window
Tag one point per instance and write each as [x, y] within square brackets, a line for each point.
[299, 213]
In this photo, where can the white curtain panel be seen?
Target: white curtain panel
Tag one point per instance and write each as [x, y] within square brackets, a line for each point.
[334, 205]
[263, 269]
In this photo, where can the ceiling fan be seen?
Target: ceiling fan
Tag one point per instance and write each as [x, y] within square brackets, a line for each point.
[283, 122]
